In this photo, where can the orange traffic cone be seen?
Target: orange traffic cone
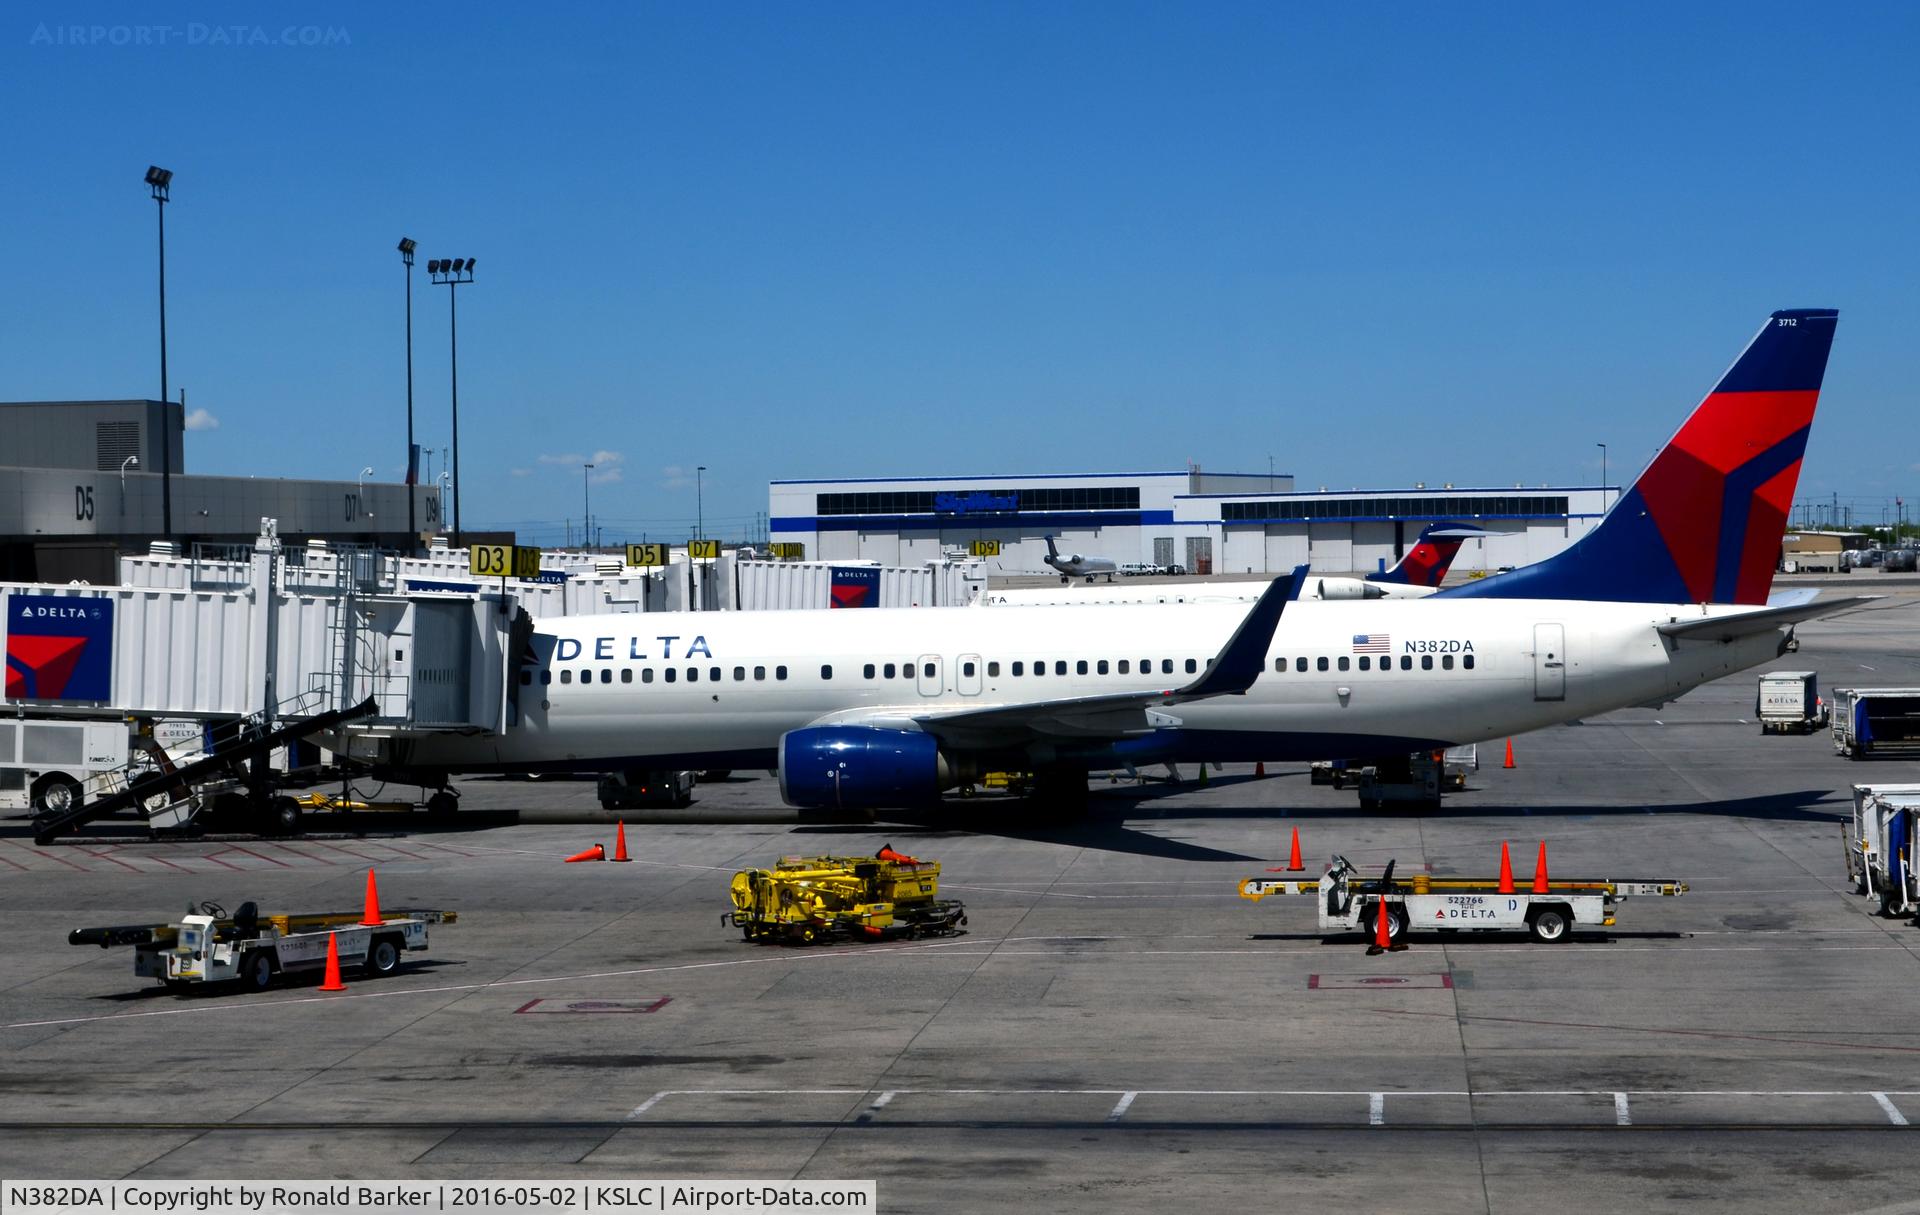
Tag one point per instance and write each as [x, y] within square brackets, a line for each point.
[331, 982]
[1382, 930]
[1293, 856]
[1509, 762]
[595, 853]
[1260, 767]
[1506, 870]
[887, 853]
[620, 843]
[1540, 870]
[370, 918]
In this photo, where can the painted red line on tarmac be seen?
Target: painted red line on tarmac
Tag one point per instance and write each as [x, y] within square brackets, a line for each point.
[1682, 1033]
[112, 860]
[448, 848]
[257, 856]
[214, 860]
[52, 856]
[15, 864]
[290, 850]
[164, 861]
[414, 856]
[358, 856]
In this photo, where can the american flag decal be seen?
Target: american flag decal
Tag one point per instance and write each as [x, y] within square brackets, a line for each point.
[1372, 643]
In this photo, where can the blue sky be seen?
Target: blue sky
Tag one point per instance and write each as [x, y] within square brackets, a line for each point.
[1381, 244]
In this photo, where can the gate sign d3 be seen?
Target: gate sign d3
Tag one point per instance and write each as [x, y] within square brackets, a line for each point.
[59, 647]
[503, 561]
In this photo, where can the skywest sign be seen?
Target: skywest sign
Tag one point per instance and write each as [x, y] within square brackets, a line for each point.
[976, 502]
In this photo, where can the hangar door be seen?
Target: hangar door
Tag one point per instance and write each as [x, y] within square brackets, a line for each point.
[1549, 662]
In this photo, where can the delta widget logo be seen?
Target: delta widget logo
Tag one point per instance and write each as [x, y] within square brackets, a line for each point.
[59, 647]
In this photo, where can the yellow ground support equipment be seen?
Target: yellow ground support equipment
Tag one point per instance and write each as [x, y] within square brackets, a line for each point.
[808, 899]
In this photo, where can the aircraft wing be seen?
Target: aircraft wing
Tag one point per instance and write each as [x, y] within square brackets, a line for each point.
[1745, 624]
[1119, 714]
[1110, 715]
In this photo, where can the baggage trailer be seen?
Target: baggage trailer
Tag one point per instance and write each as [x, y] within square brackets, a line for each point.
[1882, 840]
[1789, 703]
[1350, 901]
[807, 899]
[1414, 780]
[209, 946]
[1876, 721]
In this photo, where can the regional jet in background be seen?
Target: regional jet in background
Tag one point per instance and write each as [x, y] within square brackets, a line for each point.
[1074, 565]
[884, 709]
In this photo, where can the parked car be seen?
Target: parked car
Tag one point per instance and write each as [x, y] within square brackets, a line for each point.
[1900, 561]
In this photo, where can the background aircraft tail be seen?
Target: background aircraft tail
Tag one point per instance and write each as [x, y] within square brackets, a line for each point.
[1703, 523]
[1427, 562]
[1051, 550]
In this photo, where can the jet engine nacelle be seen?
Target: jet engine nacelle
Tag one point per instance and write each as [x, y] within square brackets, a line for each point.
[1341, 588]
[861, 768]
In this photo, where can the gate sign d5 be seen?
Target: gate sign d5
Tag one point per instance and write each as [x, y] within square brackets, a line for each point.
[59, 647]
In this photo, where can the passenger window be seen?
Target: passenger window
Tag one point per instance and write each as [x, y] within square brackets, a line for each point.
[1080, 668]
[1426, 662]
[890, 670]
[993, 669]
[1406, 663]
[759, 672]
[1467, 662]
[1123, 667]
[966, 668]
[826, 672]
[1366, 664]
[1344, 664]
[779, 672]
[546, 677]
[606, 676]
[739, 674]
[1299, 664]
[646, 675]
[1279, 666]
[867, 671]
[1446, 662]
[1019, 668]
[928, 671]
[566, 676]
[626, 674]
[693, 674]
[1320, 663]
[670, 675]
[1060, 667]
[1100, 668]
[1166, 666]
[713, 673]
[1040, 668]
[1192, 666]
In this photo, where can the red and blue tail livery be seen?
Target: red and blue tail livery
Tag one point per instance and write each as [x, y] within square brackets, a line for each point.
[1703, 523]
[1427, 562]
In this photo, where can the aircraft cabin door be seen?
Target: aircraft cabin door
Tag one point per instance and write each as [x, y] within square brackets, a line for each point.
[967, 675]
[928, 672]
[1549, 662]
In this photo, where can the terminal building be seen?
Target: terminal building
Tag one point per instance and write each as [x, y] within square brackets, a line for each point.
[81, 481]
[1205, 522]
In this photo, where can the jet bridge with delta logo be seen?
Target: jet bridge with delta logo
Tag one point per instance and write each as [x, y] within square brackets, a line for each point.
[262, 657]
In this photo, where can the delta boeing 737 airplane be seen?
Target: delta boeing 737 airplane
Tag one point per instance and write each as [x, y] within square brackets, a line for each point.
[886, 708]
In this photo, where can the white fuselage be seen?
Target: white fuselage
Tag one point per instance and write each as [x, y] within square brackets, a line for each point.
[689, 688]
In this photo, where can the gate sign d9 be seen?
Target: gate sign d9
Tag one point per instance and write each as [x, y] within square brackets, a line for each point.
[503, 561]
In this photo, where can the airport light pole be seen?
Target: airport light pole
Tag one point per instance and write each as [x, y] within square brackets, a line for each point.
[160, 186]
[407, 247]
[586, 500]
[453, 273]
[699, 503]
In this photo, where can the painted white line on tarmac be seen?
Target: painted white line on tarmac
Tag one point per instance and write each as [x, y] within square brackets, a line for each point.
[1376, 1109]
[1622, 1115]
[1893, 1111]
[1121, 1106]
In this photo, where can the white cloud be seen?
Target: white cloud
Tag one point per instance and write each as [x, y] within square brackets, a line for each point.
[674, 476]
[605, 476]
[573, 457]
[200, 419]
[520, 472]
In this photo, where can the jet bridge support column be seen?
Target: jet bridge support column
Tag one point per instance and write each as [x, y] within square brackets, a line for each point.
[262, 692]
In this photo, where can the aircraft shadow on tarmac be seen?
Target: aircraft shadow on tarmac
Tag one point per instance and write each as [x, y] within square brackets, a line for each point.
[1803, 805]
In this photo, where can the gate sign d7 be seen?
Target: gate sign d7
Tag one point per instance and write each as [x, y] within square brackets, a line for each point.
[503, 561]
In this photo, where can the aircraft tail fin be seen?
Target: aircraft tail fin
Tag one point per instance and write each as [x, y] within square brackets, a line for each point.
[1427, 562]
[1703, 523]
[1051, 550]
